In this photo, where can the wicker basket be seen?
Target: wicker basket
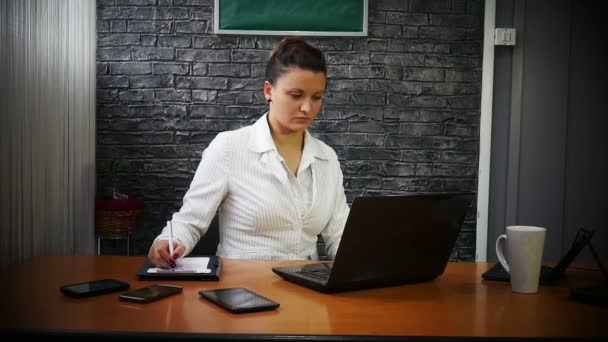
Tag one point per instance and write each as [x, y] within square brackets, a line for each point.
[116, 223]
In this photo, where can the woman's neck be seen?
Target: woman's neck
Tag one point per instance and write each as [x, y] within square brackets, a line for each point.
[290, 146]
[286, 139]
[291, 140]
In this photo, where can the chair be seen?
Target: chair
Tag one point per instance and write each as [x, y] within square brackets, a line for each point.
[207, 245]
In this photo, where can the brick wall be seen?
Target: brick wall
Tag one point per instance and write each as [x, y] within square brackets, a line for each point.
[401, 109]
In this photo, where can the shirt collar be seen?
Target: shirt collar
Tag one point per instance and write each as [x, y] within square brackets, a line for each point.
[261, 141]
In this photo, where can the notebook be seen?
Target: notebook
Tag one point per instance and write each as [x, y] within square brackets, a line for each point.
[387, 241]
[188, 268]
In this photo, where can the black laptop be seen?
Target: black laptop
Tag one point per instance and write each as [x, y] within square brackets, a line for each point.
[388, 241]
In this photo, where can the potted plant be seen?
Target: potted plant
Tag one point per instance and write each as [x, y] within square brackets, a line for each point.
[110, 170]
[115, 213]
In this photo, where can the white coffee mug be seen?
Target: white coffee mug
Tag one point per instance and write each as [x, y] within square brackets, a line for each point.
[525, 246]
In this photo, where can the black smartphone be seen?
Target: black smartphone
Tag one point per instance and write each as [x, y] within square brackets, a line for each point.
[93, 288]
[150, 293]
[239, 300]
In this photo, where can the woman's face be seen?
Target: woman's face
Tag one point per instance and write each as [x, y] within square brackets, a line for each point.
[296, 97]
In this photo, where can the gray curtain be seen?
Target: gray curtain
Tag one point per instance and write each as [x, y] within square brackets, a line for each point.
[47, 128]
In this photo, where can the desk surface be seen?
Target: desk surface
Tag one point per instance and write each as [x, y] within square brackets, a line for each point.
[457, 304]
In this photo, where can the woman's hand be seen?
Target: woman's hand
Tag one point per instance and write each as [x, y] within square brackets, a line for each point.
[159, 253]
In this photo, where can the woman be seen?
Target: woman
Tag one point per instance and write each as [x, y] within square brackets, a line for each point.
[276, 187]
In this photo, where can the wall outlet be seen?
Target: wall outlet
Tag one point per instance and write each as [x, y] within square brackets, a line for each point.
[504, 36]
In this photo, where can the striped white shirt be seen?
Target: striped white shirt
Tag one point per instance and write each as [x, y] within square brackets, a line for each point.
[265, 212]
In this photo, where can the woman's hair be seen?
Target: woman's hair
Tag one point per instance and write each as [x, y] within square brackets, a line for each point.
[294, 52]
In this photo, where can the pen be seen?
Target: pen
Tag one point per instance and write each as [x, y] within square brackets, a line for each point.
[170, 223]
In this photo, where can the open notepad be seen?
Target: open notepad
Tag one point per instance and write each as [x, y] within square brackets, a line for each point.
[196, 268]
[185, 265]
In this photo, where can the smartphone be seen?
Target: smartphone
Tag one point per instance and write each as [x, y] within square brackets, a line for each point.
[150, 293]
[93, 288]
[239, 300]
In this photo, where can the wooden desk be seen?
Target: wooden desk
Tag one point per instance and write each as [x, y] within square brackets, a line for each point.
[457, 304]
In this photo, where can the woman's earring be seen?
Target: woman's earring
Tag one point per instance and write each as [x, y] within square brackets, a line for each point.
[268, 100]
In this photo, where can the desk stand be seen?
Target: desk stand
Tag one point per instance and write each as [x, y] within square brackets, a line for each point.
[597, 259]
[126, 236]
[594, 294]
[115, 224]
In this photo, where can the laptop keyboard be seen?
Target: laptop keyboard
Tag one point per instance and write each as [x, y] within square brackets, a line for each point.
[320, 273]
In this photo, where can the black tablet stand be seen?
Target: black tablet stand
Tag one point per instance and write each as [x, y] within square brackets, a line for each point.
[595, 294]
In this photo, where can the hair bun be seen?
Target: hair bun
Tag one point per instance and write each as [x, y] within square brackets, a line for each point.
[294, 51]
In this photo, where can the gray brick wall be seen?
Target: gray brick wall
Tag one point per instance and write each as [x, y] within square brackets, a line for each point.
[401, 109]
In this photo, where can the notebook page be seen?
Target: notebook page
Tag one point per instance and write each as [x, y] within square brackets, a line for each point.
[185, 265]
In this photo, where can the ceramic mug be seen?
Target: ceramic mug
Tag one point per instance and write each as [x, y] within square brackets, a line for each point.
[525, 246]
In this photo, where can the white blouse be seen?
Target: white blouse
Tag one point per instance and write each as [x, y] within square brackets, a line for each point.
[265, 212]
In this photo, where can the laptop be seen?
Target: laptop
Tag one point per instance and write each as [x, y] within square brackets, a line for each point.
[388, 241]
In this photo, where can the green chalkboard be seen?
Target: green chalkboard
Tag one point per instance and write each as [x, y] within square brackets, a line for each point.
[281, 17]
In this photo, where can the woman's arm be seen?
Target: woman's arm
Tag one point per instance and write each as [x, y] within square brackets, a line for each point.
[206, 192]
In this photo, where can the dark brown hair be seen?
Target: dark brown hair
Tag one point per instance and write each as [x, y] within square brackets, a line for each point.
[293, 51]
